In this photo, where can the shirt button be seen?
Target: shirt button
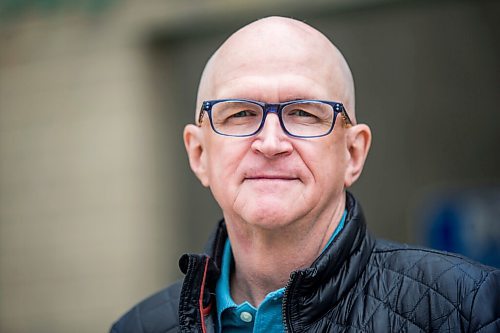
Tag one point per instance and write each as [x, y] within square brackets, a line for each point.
[246, 316]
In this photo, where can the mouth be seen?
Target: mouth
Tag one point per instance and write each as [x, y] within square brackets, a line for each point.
[271, 175]
[271, 178]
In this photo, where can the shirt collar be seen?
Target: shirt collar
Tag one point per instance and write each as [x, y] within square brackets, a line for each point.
[223, 289]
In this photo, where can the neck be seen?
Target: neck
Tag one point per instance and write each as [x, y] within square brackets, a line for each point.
[265, 258]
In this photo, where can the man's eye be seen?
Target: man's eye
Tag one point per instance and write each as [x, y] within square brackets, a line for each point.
[301, 113]
[242, 113]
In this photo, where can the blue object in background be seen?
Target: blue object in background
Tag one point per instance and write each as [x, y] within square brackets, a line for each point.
[464, 221]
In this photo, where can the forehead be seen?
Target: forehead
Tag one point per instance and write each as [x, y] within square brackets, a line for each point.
[271, 88]
[281, 73]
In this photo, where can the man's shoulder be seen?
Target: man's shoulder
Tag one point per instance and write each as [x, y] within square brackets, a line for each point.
[421, 280]
[157, 313]
[411, 260]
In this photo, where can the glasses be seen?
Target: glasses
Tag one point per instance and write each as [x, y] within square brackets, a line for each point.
[299, 118]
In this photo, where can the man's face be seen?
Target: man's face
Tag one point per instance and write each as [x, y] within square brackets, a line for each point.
[271, 179]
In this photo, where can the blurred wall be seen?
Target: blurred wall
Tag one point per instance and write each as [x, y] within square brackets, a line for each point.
[96, 198]
[87, 216]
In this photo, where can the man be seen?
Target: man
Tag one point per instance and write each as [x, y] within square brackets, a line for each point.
[277, 142]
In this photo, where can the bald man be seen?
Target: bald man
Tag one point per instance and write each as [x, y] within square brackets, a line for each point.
[276, 140]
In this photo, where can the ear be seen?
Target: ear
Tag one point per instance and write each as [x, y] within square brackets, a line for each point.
[193, 140]
[358, 144]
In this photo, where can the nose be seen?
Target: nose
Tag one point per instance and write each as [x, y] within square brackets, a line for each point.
[271, 141]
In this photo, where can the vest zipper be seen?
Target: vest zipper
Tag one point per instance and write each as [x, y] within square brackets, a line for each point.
[284, 314]
[200, 300]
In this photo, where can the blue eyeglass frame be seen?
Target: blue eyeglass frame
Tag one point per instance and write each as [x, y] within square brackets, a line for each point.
[277, 108]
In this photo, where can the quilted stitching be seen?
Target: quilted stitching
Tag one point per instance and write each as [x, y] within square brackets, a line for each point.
[405, 320]
[379, 265]
[406, 280]
[429, 288]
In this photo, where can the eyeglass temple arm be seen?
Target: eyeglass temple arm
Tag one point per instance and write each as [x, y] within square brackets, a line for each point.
[200, 117]
[345, 116]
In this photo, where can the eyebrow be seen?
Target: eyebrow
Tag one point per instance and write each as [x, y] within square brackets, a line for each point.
[298, 99]
[291, 98]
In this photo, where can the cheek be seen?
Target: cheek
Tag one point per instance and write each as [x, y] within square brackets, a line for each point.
[327, 162]
[224, 160]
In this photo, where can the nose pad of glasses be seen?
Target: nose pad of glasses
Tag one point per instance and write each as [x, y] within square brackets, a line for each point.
[271, 108]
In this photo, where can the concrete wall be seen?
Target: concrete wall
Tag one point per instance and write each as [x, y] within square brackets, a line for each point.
[84, 204]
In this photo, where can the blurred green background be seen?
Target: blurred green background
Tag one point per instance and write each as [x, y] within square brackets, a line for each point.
[97, 201]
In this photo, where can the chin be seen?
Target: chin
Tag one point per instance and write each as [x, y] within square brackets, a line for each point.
[270, 219]
[270, 224]
[269, 211]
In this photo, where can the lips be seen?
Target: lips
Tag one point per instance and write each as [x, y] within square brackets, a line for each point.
[271, 174]
[270, 177]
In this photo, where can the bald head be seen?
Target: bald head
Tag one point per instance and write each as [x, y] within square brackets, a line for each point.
[271, 46]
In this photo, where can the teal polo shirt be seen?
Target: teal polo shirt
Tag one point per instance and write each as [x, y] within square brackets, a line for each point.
[244, 317]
